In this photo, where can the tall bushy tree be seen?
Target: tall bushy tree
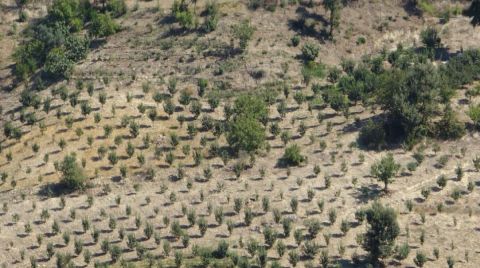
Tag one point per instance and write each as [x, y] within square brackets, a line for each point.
[246, 132]
[383, 229]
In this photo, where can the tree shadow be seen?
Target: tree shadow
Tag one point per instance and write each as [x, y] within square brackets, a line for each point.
[302, 27]
[411, 8]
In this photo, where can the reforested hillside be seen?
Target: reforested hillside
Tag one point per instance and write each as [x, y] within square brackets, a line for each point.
[254, 133]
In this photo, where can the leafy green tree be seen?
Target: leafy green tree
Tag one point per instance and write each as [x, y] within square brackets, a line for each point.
[411, 98]
[65, 11]
[250, 106]
[385, 169]
[246, 134]
[383, 229]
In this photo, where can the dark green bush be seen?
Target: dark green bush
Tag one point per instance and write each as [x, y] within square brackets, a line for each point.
[29, 98]
[295, 40]
[372, 135]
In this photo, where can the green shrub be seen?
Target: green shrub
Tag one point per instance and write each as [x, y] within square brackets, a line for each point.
[474, 114]
[10, 131]
[312, 70]
[212, 17]
[310, 249]
[402, 251]
[292, 156]
[57, 64]
[243, 31]
[65, 11]
[420, 259]
[295, 40]
[186, 19]
[361, 40]
[117, 7]
[102, 25]
[76, 47]
[72, 174]
[22, 16]
[222, 249]
[28, 58]
[310, 52]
